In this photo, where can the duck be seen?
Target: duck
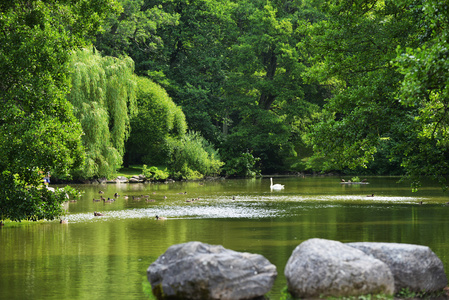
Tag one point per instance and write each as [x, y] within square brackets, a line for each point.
[97, 214]
[276, 186]
[372, 195]
[161, 218]
[63, 221]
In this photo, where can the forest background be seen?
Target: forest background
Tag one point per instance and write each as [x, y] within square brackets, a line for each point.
[193, 88]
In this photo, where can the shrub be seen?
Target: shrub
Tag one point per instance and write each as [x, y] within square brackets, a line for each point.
[153, 173]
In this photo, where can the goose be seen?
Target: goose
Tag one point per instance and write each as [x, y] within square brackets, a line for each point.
[116, 195]
[97, 214]
[63, 221]
[100, 192]
[276, 186]
[161, 218]
[108, 201]
[372, 195]
[96, 200]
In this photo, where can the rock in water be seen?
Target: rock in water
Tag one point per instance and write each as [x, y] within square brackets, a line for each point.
[414, 267]
[196, 270]
[319, 267]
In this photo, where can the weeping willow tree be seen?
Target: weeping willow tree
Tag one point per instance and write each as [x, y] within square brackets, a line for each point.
[103, 96]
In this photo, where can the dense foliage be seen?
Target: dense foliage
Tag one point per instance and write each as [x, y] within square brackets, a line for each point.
[387, 62]
[158, 121]
[38, 130]
[235, 68]
[103, 95]
[271, 86]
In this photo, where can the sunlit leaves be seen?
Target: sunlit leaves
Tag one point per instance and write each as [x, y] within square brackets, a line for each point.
[38, 131]
[103, 94]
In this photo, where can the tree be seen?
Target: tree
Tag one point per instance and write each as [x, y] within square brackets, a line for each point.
[134, 32]
[424, 90]
[38, 130]
[103, 95]
[268, 96]
[159, 120]
[384, 60]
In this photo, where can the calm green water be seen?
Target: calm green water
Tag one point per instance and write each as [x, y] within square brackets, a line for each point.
[107, 257]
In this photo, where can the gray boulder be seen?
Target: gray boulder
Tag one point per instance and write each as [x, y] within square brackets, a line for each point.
[121, 179]
[135, 179]
[196, 270]
[319, 267]
[414, 267]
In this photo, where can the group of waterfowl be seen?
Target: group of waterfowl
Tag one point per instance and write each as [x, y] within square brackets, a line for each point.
[134, 198]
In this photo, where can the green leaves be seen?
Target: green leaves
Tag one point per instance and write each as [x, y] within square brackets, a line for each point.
[38, 131]
[103, 94]
[158, 120]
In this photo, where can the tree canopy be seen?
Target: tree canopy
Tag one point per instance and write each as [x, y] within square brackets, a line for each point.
[386, 63]
[276, 86]
[103, 94]
[159, 120]
[38, 130]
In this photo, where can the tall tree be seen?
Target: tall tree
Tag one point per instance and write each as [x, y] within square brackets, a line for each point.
[38, 130]
[135, 33]
[424, 90]
[103, 95]
[266, 89]
[158, 121]
[377, 105]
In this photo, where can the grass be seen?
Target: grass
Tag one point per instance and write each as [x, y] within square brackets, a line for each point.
[130, 171]
[9, 223]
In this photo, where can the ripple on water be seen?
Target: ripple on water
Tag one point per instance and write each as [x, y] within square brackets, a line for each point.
[245, 207]
[229, 210]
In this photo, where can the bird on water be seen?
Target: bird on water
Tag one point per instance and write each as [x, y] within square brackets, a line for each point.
[276, 186]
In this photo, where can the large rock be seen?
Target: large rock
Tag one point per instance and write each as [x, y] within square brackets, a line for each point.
[196, 270]
[414, 267]
[320, 267]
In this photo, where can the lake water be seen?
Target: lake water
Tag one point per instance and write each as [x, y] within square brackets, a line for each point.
[107, 257]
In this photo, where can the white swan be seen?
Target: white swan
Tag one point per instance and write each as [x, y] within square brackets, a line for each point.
[276, 186]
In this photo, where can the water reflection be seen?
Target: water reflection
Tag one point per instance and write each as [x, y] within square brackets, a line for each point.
[104, 257]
